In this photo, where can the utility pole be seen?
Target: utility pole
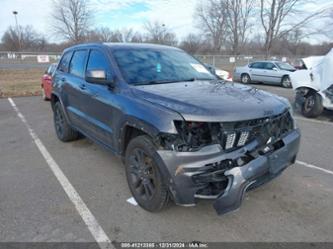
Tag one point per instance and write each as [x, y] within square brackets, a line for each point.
[17, 29]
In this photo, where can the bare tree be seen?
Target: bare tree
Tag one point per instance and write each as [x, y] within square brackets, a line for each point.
[159, 33]
[280, 17]
[213, 22]
[71, 19]
[129, 35]
[329, 27]
[192, 43]
[126, 35]
[25, 38]
[238, 22]
[104, 34]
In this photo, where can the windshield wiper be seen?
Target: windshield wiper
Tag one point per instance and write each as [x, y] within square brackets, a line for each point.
[154, 82]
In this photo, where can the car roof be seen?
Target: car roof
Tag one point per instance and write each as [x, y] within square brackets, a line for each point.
[118, 45]
[138, 45]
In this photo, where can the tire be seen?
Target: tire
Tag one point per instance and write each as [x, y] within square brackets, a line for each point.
[312, 106]
[143, 174]
[245, 78]
[63, 130]
[285, 82]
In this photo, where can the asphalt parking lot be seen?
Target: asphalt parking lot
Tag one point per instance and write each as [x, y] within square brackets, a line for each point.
[34, 205]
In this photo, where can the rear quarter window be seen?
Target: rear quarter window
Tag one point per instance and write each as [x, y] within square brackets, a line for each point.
[64, 62]
[51, 69]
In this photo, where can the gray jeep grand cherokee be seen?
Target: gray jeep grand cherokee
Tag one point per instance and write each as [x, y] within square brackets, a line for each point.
[182, 133]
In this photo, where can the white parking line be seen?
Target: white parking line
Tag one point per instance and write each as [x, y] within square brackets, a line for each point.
[311, 166]
[314, 121]
[96, 230]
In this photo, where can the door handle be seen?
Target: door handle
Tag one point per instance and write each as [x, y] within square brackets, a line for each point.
[83, 87]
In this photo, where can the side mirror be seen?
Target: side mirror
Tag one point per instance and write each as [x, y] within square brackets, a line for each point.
[99, 76]
[275, 69]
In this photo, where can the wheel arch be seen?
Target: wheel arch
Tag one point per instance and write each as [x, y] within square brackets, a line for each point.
[285, 75]
[132, 128]
[245, 73]
[54, 99]
[304, 90]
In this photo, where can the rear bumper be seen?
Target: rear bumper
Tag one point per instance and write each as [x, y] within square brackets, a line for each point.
[236, 76]
[191, 174]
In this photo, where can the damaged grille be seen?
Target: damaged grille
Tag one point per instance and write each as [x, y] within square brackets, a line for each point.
[230, 135]
[266, 130]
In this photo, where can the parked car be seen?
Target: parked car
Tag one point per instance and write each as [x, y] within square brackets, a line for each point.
[47, 82]
[272, 72]
[314, 86]
[181, 133]
[222, 74]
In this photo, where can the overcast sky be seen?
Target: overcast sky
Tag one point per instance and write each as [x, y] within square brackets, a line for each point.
[178, 15]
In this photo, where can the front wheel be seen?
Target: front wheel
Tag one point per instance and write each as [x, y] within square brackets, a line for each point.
[312, 106]
[144, 176]
[286, 82]
[245, 78]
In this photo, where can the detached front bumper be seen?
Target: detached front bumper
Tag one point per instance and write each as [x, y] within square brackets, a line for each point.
[227, 176]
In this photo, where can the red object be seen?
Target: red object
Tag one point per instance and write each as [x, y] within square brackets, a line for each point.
[47, 82]
[229, 78]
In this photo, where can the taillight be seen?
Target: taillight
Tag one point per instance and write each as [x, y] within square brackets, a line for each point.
[229, 77]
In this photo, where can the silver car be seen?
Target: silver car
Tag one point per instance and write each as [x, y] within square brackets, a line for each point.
[271, 72]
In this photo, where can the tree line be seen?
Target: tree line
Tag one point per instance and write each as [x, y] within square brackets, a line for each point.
[230, 27]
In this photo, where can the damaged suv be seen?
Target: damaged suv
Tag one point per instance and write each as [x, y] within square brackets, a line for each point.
[182, 133]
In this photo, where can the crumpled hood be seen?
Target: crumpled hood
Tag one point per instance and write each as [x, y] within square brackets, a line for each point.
[213, 101]
[320, 67]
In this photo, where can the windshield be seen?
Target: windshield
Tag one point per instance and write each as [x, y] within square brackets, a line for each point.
[146, 66]
[285, 66]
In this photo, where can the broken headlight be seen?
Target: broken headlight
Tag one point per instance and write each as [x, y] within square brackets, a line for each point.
[195, 134]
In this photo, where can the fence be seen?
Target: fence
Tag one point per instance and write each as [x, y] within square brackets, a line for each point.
[24, 60]
[228, 62]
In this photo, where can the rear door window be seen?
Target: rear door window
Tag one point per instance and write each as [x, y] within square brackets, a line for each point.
[78, 62]
[258, 65]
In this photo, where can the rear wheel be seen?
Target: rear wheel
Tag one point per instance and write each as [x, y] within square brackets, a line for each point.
[312, 106]
[285, 82]
[144, 176]
[245, 78]
[63, 130]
